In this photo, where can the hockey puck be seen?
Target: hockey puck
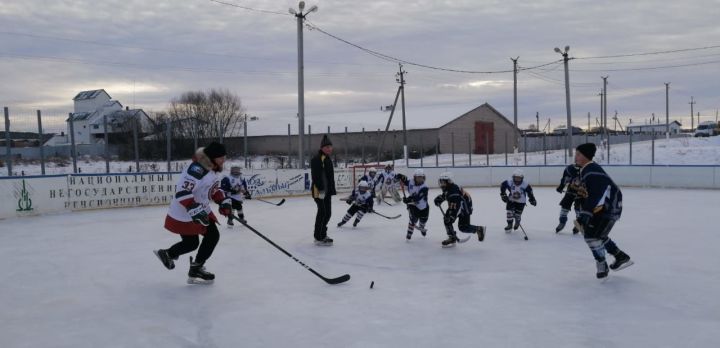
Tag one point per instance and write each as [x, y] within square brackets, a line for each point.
[372, 283]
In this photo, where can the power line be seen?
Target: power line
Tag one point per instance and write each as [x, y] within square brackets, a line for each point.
[650, 68]
[651, 53]
[251, 8]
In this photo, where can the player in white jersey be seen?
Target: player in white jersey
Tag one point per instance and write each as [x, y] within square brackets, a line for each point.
[416, 201]
[371, 178]
[360, 201]
[236, 186]
[519, 189]
[388, 184]
[190, 214]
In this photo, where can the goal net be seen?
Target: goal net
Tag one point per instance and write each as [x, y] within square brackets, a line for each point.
[358, 171]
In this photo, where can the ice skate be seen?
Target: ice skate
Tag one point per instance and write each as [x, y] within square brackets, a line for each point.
[450, 242]
[509, 227]
[166, 260]
[422, 229]
[622, 261]
[560, 227]
[325, 242]
[481, 233]
[517, 224]
[602, 269]
[198, 275]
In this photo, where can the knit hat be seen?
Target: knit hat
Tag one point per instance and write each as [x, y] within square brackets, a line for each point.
[214, 150]
[325, 141]
[588, 150]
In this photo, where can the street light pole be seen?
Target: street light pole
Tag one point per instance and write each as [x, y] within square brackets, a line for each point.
[667, 110]
[515, 91]
[301, 77]
[567, 99]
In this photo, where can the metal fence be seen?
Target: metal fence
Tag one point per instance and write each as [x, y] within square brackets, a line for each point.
[37, 143]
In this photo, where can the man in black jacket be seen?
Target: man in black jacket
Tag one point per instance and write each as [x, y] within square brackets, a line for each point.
[601, 208]
[323, 188]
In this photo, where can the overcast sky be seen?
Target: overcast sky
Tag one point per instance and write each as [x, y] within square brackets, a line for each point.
[143, 53]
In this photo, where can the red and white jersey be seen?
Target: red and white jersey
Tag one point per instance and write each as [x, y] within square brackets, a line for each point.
[196, 185]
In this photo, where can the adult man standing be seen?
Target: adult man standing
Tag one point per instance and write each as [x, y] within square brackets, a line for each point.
[323, 188]
[601, 208]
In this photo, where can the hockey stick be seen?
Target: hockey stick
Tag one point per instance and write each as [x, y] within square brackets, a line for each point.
[387, 217]
[459, 240]
[268, 202]
[338, 280]
[523, 231]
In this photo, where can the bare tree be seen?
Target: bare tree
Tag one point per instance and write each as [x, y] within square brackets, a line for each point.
[212, 114]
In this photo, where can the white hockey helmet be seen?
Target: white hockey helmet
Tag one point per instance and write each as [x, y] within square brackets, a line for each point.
[363, 185]
[419, 173]
[372, 170]
[518, 173]
[444, 179]
[235, 170]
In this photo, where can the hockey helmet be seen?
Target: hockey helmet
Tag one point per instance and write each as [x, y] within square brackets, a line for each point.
[518, 176]
[363, 186]
[419, 176]
[372, 171]
[445, 178]
[235, 170]
[388, 167]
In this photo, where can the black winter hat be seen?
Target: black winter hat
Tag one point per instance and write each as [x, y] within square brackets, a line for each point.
[325, 141]
[214, 150]
[588, 150]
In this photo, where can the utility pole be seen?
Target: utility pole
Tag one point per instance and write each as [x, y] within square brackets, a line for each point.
[667, 110]
[566, 59]
[401, 74]
[604, 115]
[301, 77]
[692, 119]
[602, 108]
[515, 91]
[537, 121]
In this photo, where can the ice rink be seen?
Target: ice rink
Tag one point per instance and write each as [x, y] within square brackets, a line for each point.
[90, 279]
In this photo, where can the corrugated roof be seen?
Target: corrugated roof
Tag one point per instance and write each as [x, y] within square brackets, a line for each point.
[84, 95]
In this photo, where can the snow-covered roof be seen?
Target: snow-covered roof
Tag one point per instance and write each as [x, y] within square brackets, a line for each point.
[639, 125]
[84, 95]
[417, 117]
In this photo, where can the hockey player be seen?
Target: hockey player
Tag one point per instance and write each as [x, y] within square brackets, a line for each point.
[388, 184]
[371, 179]
[416, 201]
[236, 186]
[520, 191]
[190, 215]
[601, 208]
[572, 181]
[459, 207]
[360, 201]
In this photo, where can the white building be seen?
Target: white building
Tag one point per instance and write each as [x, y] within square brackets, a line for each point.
[91, 107]
[658, 128]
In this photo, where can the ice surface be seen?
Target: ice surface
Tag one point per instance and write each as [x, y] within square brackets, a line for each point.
[90, 279]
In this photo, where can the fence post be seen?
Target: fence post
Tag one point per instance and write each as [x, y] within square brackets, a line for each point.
[362, 146]
[8, 154]
[452, 148]
[195, 133]
[630, 134]
[422, 152]
[73, 153]
[608, 148]
[245, 144]
[40, 138]
[525, 150]
[378, 146]
[107, 145]
[393, 149]
[289, 164]
[544, 151]
[652, 158]
[135, 141]
[506, 149]
[168, 144]
[309, 153]
[469, 151]
[437, 152]
[347, 146]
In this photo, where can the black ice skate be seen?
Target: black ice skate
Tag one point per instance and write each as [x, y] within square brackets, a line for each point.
[356, 222]
[408, 236]
[622, 261]
[198, 275]
[481, 233]
[325, 242]
[341, 223]
[602, 269]
[166, 260]
[450, 242]
[230, 222]
[509, 227]
[423, 230]
[517, 225]
[560, 227]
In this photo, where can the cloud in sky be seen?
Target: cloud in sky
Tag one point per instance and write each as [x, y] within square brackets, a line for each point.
[53, 49]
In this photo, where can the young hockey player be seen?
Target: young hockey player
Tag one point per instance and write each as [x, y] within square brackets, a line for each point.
[236, 186]
[459, 207]
[416, 201]
[601, 208]
[572, 181]
[371, 179]
[519, 191]
[360, 201]
[388, 184]
[190, 215]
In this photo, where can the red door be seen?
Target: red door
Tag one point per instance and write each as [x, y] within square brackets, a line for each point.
[484, 135]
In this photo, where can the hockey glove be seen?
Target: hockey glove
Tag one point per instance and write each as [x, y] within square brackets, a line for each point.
[225, 207]
[439, 200]
[406, 200]
[198, 214]
[559, 189]
[349, 201]
[401, 178]
[533, 202]
[504, 197]
[584, 219]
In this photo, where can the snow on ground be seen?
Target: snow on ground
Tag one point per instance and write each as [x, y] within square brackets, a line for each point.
[89, 279]
[677, 151]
